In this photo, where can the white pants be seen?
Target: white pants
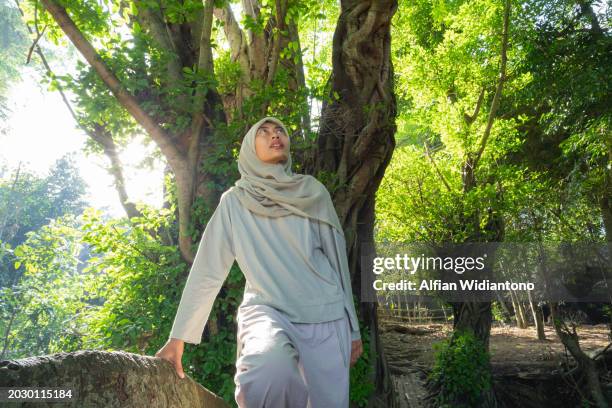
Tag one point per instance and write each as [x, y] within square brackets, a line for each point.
[281, 364]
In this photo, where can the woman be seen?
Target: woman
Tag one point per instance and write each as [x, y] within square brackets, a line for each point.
[298, 332]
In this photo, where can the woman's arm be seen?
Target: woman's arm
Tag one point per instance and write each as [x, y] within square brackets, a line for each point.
[211, 266]
[334, 246]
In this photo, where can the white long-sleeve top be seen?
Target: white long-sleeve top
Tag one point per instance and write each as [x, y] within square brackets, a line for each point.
[295, 264]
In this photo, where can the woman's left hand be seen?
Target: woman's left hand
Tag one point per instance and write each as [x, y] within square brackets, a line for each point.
[356, 350]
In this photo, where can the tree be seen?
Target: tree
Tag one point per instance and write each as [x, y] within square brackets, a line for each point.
[163, 77]
[176, 99]
[28, 202]
[356, 141]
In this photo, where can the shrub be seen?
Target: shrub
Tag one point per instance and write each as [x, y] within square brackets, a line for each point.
[461, 370]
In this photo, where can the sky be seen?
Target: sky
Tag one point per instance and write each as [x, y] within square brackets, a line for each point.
[41, 130]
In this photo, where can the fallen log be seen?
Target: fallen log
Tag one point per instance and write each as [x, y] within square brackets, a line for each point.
[400, 328]
[107, 379]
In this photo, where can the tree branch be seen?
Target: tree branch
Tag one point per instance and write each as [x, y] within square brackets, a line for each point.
[436, 167]
[281, 10]
[500, 84]
[257, 44]
[235, 36]
[469, 119]
[99, 134]
[127, 100]
[156, 26]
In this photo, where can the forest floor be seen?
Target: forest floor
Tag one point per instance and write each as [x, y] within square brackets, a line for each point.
[409, 352]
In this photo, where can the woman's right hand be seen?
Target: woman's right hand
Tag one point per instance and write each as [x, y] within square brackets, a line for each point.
[173, 352]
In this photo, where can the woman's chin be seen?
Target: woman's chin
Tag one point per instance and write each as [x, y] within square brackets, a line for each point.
[281, 159]
[276, 159]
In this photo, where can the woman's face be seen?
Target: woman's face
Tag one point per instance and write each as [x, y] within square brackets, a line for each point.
[271, 143]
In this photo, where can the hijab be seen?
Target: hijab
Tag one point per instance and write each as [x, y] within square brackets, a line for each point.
[272, 189]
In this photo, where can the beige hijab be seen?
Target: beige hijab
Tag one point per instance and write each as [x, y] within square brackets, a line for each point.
[275, 191]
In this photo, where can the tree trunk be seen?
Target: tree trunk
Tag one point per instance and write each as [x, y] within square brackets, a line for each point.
[606, 213]
[569, 338]
[384, 393]
[400, 311]
[606, 204]
[475, 317]
[520, 321]
[355, 144]
[538, 317]
[521, 310]
[258, 54]
[108, 379]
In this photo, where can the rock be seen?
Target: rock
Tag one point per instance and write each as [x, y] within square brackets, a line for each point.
[107, 379]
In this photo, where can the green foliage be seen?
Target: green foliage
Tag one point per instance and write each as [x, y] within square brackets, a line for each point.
[180, 12]
[123, 298]
[41, 287]
[330, 180]
[461, 369]
[38, 311]
[413, 204]
[228, 72]
[13, 46]
[548, 147]
[92, 283]
[361, 374]
[133, 275]
[498, 312]
[29, 201]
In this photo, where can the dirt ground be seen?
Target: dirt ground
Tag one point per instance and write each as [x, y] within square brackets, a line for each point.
[510, 346]
[515, 354]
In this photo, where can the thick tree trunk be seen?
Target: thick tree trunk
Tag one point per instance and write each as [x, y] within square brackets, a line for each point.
[354, 148]
[475, 317]
[355, 144]
[493, 231]
[384, 393]
[108, 379]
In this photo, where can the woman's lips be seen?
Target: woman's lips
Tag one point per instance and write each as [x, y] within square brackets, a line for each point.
[277, 146]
